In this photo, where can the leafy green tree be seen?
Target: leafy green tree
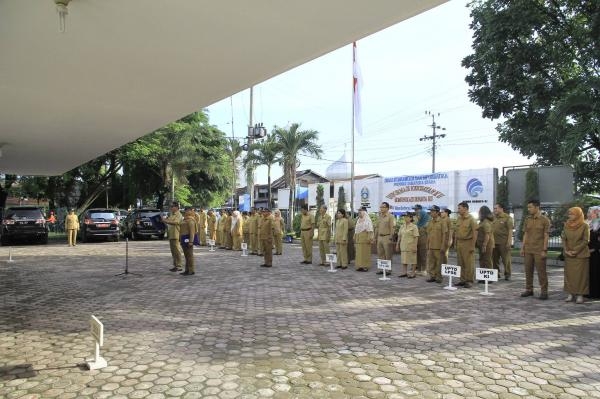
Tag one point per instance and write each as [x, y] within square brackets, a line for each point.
[535, 66]
[234, 152]
[9, 180]
[502, 191]
[265, 152]
[293, 142]
[320, 202]
[532, 192]
[341, 204]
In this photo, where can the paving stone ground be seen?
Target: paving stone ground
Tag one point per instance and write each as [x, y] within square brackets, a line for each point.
[236, 330]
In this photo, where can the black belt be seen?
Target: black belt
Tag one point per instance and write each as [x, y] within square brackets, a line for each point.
[384, 234]
[306, 229]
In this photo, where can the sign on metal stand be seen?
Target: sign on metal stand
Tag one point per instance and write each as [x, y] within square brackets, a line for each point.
[384, 265]
[450, 271]
[10, 259]
[97, 329]
[486, 275]
[331, 258]
[244, 249]
[211, 243]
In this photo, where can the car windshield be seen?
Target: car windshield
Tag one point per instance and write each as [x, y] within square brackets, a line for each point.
[149, 214]
[23, 214]
[102, 215]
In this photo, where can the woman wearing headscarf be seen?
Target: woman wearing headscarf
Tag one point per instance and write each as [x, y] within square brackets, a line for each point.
[575, 239]
[237, 229]
[279, 226]
[594, 246]
[485, 237]
[363, 239]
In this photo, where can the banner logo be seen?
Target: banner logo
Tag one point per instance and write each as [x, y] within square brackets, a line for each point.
[474, 187]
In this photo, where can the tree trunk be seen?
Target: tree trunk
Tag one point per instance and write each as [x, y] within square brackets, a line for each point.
[269, 185]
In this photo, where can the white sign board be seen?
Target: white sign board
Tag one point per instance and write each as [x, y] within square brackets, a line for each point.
[97, 329]
[384, 264]
[244, 246]
[451, 270]
[486, 274]
[331, 258]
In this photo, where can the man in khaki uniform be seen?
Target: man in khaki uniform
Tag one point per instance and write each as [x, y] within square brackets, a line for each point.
[267, 230]
[437, 241]
[445, 215]
[307, 231]
[421, 222]
[324, 233]
[252, 224]
[71, 226]
[466, 238]
[211, 225]
[502, 228]
[187, 231]
[279, 229]
[385, 229]
[259, 221]
[173, 221]
[246, 229]
[535, 249]
[202, 222]
[220, 228]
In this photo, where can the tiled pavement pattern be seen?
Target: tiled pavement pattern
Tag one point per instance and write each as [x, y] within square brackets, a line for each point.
[236, 330]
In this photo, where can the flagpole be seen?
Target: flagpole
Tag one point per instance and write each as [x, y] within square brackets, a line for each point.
[354, 83]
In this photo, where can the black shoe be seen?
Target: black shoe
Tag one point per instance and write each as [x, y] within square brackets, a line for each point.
[467, 285]
[430, 280]
[460, 284]
[379, 272]
[173, 269]
[343, 267]
[543, 296]
[185, 273]
[480, 281]
[527, 293]
[403, 275]
[265, 265]
[507, 278]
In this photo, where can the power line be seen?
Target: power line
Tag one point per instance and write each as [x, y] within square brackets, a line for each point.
[433, 137]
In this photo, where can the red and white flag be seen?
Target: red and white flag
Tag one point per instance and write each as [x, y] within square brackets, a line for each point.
[356, 88]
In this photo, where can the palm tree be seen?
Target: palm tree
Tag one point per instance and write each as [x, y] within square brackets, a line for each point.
[264, 153]
[293, 142]
[234, 151]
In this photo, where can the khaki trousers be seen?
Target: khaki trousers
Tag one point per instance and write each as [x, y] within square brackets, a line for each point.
[176, 252]
[323, 249]
[237, 243]
[342, 254]
[267, 245]
[188, 252]
[202, 236]
[434, 267]
[466, 260]
[252, 244]
[72, 236]
[384, 248]
[502, 252]
[307, 243]
[531, 261]
[422, 250]
[278, 241]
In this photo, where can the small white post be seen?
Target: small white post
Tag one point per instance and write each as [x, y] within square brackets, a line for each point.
[331, 258]
[212, 245]
[486, 275]
[10, 259]
[450, 271]
[244, 249]
[97, 330]
[384, 265]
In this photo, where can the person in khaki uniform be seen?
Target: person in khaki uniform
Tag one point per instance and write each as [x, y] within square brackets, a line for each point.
[279, 229]
[237, 226]
[364, 237]
[422, 219]
[324, 233]
[502, 229]
[220, 228]
[211, 225]
[259, 221]
[252, 230]
[246, 229]
[227, 238]
[485, 238]
[535, 249]
[466, 236]
[202, 223]
[341, 238]
[188, 229]
[386, 226]
[173, 222]
[408, 238]
[351, 247]
[71, 227]
[267, 230]
[307, 231]
[445, 215]
[575, 239]
[437, 241]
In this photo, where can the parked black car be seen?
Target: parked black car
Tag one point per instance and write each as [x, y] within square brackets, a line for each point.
[144, 223]
[99, 223]
[25, 223]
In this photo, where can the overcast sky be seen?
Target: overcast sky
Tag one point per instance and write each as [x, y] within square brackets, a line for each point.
[407, 69]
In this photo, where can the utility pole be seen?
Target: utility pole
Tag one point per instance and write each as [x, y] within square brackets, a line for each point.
[250, 168]
[433, 137]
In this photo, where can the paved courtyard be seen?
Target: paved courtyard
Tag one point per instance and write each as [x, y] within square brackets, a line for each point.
[236, 330]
